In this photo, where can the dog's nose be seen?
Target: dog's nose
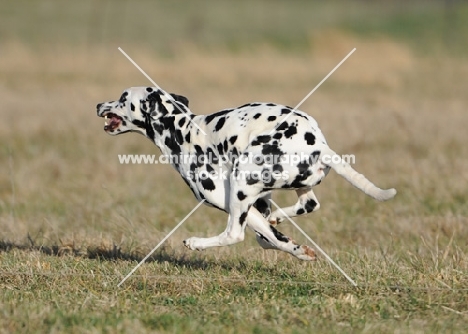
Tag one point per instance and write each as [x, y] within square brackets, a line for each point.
[99, 105]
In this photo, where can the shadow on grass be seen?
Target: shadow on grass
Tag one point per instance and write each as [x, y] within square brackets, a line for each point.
[115, 253]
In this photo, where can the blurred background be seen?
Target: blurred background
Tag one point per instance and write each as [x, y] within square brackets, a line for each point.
[398, 103]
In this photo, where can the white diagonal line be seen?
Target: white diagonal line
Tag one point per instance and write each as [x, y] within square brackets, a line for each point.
[313, 90]
[315, 245]
[157, 86]
[161, 242]
[323, 80]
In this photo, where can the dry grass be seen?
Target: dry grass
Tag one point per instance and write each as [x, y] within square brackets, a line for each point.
[67, 206]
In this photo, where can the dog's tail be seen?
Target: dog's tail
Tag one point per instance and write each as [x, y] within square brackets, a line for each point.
[358, 180]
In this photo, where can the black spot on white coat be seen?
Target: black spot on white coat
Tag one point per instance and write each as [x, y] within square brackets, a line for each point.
[208, 184]
[220, 124]
[309, 138]
[241, 196]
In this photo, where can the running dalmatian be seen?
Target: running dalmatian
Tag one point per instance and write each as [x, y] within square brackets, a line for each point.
[257, 139]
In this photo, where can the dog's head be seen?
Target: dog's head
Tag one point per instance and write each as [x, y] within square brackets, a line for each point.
[137, 107]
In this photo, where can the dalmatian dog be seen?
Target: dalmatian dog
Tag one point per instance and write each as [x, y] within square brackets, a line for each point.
[233, 159]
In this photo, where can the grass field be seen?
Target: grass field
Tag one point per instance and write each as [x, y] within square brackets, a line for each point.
[74, 221]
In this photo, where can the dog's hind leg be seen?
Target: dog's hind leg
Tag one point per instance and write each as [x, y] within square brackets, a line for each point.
[270, 238]
[306, 203]
[263, 205]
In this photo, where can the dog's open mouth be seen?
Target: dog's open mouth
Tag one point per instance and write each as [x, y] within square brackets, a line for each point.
[112, 122]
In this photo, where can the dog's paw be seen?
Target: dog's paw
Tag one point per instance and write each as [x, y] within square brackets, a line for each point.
[193, 244]
[306, 253]
[275, 220]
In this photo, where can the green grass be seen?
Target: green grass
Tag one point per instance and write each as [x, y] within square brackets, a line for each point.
[74, 222]
[165, 26]
[179, 294]
[428, 28]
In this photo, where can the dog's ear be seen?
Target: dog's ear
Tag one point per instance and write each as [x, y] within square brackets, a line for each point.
[181, 99]
[153, 96]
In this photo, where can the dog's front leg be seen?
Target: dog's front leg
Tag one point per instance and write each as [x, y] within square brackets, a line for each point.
[241, 198]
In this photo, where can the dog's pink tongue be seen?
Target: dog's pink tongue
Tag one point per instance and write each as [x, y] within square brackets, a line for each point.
[114, 121]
